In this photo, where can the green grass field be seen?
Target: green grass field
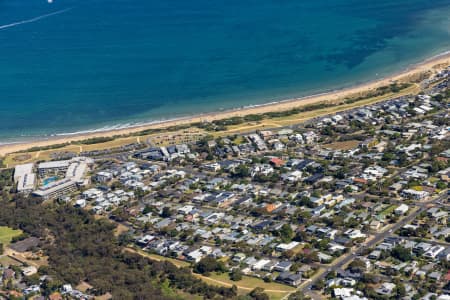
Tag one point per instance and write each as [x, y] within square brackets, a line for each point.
[6, 234]
[7, 261]
[275, 290]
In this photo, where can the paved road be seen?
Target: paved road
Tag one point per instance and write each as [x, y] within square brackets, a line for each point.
[377, 239]
[414, 239]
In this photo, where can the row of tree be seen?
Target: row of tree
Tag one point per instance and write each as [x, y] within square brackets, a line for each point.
[81, 248]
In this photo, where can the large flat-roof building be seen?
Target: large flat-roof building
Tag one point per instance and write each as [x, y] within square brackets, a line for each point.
[24, 178]
[53, 167]
[26, 183]
[76, 170]
[64, 167]
[56, 189]
[73, 171]
[21, 170]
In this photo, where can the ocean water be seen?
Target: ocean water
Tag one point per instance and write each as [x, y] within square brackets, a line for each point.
[77, 65]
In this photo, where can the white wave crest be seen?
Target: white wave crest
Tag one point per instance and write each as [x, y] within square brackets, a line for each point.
[35, 19]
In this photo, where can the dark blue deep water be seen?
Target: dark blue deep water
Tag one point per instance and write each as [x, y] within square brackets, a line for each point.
[97, 63]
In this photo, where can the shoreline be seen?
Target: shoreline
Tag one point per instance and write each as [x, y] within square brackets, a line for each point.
[428, 64]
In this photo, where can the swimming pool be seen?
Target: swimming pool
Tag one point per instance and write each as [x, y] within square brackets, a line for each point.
[49, 180]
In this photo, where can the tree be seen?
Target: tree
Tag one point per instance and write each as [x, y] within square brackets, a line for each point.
[1, 249]
[302, 215]
[400, 291]
[32, 280]
[166, 212]
[286, 233]
[209, 264]
[441, 185]
[234, 289]
[319, 285]
[369, 278]
[241, 171]
[306, 201]
[331, 275]
[9, 285]
[49, 287]
[401, 253]
[120, 214]
[20, 237]
[258, 294]
[146, 210]
[83, 248]
[298, 296]
[315, 193]
[236, 274]
[125, 239]
[388, 156]
[357, 266]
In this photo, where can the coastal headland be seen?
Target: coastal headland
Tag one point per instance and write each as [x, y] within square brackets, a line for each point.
[412, 75]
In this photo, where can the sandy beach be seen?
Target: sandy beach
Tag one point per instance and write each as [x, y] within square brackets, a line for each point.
[433, 64]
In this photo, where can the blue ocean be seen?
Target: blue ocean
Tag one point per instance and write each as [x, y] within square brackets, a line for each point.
[70, 65]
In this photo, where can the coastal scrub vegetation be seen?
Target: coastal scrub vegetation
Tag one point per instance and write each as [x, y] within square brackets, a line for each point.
[220, 125]
[6, 183]
[95, 140]
[90, 141]
[209, 264]
[383, 90]
[43, 148]
[81, 248]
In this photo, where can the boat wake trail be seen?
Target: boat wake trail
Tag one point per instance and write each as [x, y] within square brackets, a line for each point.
[35, 19]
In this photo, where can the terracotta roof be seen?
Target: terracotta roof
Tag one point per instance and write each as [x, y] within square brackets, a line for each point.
[360, 180]
[276, 161]
[55, 296]
[447, 276]
[270, 207]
